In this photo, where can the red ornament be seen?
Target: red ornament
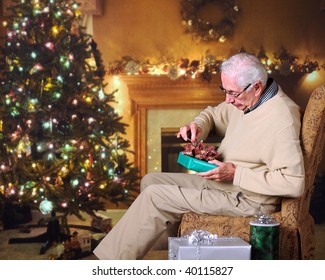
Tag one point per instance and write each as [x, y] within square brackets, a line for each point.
[49, 45]
[91, 160]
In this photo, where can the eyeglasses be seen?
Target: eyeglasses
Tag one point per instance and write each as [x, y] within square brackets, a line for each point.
[234, 94]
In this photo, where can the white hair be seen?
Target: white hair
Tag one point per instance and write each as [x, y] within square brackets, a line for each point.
[246, 68]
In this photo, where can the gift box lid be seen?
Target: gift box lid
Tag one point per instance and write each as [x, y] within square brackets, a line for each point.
[194, 164]
[220, 242]
[265, 221]
[223, 248]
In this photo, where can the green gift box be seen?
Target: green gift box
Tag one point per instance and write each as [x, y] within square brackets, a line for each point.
[194, 164]
[264, 238]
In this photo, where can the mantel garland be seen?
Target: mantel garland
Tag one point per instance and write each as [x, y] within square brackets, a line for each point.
[205, 30]
[281, 63]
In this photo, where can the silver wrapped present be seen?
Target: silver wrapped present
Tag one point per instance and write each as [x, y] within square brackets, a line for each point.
[202, 245]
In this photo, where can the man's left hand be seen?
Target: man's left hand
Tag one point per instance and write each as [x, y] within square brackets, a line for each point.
[224, 172]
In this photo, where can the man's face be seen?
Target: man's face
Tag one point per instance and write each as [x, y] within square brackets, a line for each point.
[238, 97]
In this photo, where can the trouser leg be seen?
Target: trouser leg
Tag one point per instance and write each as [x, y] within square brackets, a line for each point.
[139, 228]
[162, 202]
[162, 242]
[166, 178]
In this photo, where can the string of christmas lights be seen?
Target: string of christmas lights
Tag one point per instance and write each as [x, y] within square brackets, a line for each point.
[282, 63]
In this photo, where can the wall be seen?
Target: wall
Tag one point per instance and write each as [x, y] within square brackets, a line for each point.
[153, 30]
[146, 29]
[149, 29]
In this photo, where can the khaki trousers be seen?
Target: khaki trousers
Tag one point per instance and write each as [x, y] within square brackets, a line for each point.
[158, 209]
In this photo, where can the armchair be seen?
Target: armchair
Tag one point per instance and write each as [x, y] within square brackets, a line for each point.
[297, 228]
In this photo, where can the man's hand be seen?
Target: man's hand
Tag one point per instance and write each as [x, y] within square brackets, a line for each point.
[191, 129]
[224, 172]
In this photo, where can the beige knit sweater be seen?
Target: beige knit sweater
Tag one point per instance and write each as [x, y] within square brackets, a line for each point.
[264, 145]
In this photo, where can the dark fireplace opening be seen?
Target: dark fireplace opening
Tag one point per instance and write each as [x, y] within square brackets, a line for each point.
[171, 146]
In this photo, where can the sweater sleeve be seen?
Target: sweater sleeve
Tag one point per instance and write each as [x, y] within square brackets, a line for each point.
[214, 118]
[283, 173]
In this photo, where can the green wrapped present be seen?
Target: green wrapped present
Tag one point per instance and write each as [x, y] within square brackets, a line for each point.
[194, 164]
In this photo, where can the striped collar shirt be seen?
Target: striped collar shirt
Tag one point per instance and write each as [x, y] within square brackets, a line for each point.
[270, 91]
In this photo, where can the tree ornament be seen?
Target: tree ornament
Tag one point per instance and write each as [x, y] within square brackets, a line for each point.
[56, 30]
[24, 145]
[76, 181]
[46, 207]
[36, 68]
[99, 70]
[49, 45]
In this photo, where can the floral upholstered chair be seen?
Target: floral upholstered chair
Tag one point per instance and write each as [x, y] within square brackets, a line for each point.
[297, 228]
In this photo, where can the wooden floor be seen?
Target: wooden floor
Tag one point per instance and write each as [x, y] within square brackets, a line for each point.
[31, 251]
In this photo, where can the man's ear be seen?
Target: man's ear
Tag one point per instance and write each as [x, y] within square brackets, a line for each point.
[258, 88]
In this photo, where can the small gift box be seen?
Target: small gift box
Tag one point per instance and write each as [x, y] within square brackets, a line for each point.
[212, 248]
[264, 238]
[194, 164]
[196, 156]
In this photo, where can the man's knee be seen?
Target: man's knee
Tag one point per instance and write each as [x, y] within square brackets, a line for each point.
[146, 181]
[153, 193]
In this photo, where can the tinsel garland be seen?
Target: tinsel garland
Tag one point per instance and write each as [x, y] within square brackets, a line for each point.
[205, 30]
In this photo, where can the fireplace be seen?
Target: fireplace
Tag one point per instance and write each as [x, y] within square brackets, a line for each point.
[170, 148]
[159, 103]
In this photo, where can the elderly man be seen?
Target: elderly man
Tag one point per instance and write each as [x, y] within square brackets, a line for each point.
[259, 161]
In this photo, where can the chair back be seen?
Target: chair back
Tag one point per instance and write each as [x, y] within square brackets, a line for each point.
[313, 139]
[312, 143]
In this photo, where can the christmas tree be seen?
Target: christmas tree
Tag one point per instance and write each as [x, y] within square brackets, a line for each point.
[61, 142]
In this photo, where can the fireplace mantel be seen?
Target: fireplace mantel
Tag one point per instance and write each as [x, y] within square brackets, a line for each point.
[160, 92]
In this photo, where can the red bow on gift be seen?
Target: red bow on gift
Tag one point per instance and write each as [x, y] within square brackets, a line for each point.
[200, 151]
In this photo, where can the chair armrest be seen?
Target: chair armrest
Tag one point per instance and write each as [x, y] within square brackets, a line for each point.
[290, 212]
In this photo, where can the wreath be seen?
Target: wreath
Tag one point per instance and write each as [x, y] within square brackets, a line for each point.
[205, 30]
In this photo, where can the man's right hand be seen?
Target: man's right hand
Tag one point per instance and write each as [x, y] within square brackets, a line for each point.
[190, 132]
